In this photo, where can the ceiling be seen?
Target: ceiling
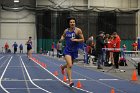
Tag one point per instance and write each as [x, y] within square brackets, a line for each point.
[11, 3]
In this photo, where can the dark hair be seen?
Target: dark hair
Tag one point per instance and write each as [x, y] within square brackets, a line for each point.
[30, 37]
[101, 32]
[68, 20]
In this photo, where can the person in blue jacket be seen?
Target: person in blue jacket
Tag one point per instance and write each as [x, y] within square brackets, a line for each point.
[15, 45]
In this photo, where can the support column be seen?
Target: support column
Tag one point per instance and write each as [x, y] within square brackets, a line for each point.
[0, 23]
[139, 18]
[138, 29]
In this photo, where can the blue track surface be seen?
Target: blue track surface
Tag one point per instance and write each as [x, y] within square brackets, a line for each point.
[18, 74]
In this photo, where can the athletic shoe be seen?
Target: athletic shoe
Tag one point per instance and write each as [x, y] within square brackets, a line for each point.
[62, 70]
[71, 84]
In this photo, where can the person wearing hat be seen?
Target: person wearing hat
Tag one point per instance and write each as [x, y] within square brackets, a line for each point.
[99, 52]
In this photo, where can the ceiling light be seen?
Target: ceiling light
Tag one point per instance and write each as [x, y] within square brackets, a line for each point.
[16, 1]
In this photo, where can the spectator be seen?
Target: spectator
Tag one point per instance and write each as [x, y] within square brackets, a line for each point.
[52, 48]
[59, 49]
[15, 47]
[21, 48]
[135, 47]
[41, 51]
[116, 52]
[6, 46]
[99, 45]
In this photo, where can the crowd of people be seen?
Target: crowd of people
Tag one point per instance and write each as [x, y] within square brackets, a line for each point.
[15, 46]
[6, 49]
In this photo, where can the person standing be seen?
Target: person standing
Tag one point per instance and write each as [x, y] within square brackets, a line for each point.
[15, 45]
[116, 52]
[21, 48]
[135, 47]
[59, 49]
[6, 46]
[99, 51]
[72, 35]
[29, 47]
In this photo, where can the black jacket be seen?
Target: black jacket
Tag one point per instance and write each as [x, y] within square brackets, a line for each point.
[99, 44]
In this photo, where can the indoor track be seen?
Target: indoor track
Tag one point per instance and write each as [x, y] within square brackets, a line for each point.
[18, 74]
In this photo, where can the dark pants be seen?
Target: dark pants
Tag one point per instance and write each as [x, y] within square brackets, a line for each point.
[15, 50]
[100, 59]
[116, 59]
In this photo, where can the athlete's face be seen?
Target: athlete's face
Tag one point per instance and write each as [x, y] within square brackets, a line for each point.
[72, 23]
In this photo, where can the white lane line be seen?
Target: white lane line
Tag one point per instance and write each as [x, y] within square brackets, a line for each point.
[42, 79]
[21, 88]
[3, 75]
[3, 63]
[108, 79]
[30, 77]
[61, 80]
[78, 79]
[1, 57]
[20, 66]
[26, 82]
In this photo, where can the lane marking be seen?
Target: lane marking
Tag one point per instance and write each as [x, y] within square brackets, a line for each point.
[1, 65]
[108, 79]
[30, 77]
[26, 82]
[1, 57]
[3, 75]
[21, 66]
[42, 79]
[60, 79]
[20, 88]
[78, 79]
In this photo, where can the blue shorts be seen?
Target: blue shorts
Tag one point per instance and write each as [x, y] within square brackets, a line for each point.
[74, 54]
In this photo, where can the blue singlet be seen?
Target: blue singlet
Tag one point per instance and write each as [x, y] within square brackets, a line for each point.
[71, 47]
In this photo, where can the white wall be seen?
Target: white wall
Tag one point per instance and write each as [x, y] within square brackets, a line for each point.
[17, 27]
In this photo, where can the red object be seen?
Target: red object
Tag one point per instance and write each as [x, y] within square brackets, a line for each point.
[65, 78]
[112, 90]
[134, 76]
[79, 85]
[116, 44]
[6, 45]
[62, 70]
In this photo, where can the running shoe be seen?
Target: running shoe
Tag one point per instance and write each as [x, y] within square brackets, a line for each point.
[71, 84]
